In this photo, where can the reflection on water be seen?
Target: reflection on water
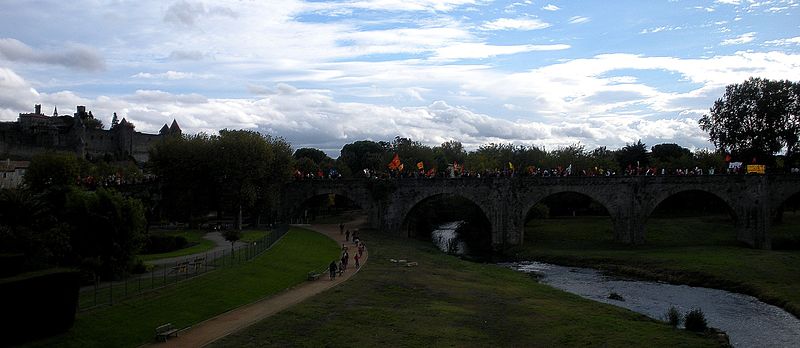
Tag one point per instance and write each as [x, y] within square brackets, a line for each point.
[747, 321]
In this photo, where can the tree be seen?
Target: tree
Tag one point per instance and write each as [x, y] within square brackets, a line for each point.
[671, 156]
[51, 170]
[232, 236]
[633, 155]
[364, 154]
[756, 118]
[315, 155]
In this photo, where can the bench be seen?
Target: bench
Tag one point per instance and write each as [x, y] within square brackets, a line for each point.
[164, 331]
[182, 267]
[313, 275]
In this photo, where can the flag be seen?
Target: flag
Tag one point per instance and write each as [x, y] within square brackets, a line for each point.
[420, 165]
[431, 172]
[400, 167]
[510, 166]
[395, 163]
[727, 158]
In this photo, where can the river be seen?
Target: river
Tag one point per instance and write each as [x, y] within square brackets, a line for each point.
[747, 321]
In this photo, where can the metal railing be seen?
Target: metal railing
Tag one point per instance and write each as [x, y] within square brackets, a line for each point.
[108, 293]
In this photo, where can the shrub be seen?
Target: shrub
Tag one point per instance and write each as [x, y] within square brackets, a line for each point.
[615, 296]
[673, 316]
[695, 321]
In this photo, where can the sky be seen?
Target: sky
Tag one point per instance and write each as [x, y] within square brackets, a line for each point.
[326, 73]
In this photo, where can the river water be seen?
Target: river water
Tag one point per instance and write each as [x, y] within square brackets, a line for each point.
[747, 321]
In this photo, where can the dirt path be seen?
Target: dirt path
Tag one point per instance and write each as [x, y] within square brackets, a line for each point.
[237, 319]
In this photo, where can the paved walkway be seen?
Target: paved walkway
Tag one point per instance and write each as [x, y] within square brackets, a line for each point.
[237, 319]
[220, 244]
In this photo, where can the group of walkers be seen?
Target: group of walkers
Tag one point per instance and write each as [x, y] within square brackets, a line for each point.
[341, 266]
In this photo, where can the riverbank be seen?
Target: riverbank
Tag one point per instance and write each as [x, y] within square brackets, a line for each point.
[692, 251]
[433, 299]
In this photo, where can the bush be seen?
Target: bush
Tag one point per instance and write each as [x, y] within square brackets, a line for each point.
[695, 321]
[673, 316]
[615, 296]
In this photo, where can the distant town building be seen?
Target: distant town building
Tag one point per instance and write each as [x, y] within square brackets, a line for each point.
[80, 133]
[12, 172]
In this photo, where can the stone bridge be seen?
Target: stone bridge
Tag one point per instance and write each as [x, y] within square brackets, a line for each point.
[506, 201]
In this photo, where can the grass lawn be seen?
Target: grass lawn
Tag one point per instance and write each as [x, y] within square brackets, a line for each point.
[699, 251]
[194, 237]
[446, 301]
[131, 323]
[249, 236]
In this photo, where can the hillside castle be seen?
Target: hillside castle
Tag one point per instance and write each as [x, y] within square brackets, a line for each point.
[80, 133]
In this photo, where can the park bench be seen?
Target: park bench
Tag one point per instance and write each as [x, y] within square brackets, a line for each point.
[314, 275]
[182, 267]
[164, 331]
[198, 262]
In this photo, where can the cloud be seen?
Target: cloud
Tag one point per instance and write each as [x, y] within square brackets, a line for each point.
[739, 40]
[578, 19]
[784, 42]
[188, 13]
[171, 75]
[551, 7]
[660, 29]
[186, 55]
[16, 95]
[74, 56]
[515, 24]
[481, 50]
[392, 5]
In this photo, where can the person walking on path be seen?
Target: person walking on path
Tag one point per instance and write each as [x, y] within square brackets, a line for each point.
[332, 268]
[347, 236]
[357, 257]
[361, 249]
[341, 228]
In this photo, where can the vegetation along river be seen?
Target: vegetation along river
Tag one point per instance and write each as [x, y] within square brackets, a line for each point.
[747, 321]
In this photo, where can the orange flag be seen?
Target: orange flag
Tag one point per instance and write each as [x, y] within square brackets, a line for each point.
[395, 163]
[420, 165]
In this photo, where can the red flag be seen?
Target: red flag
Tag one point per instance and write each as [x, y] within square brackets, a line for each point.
[420, 165]
[395, 163]
[727, 158]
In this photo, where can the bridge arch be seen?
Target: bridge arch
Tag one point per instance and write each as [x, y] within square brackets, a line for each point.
[306, 192]
[659, 197]
[410, 214]
[531, 199]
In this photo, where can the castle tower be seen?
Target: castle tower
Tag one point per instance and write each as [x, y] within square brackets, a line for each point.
[55, 111]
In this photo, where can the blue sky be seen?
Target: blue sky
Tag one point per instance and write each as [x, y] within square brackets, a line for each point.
[327, 73]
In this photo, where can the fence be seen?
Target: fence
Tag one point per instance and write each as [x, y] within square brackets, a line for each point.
[108, 293]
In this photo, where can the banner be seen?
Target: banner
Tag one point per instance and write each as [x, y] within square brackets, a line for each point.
[756, 168]
[395, 163]
[734, 165]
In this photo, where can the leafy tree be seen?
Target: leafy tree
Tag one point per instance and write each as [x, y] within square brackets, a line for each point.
[364, 154]
[52, 169]
[232, 236]
[317, 156]
[756, 118]
[603, 158]
[448, 153]
[105, 229]
[306, 165]
[633, 154]
[671, 156]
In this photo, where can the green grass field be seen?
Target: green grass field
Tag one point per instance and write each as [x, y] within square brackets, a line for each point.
[700, 251]
[131, 323]
[448, 302]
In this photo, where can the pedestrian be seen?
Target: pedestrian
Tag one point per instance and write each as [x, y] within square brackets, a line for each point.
[347, 235]
[357, 257]
[361, 248]
[341, 229]
[332, 268]
[345, 259]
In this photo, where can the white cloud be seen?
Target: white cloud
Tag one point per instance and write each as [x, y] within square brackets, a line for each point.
[739, 40]
[171, 75]
[784, 42]
[188, 13]
[551, 7]
[481, 50]
[515, 24]
[578, 19]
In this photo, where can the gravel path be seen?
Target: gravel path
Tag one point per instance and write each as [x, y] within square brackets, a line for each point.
[237, 319]
[220, 245]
